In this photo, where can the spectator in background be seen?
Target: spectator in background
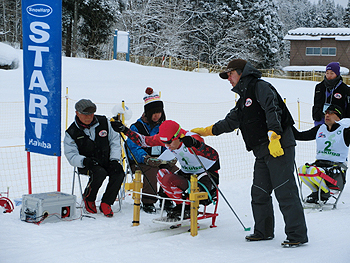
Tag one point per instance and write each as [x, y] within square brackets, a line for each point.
[332, 90]
[93, 146]
[146, 157]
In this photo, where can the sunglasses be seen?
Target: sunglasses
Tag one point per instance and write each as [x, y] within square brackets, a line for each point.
[330, 112]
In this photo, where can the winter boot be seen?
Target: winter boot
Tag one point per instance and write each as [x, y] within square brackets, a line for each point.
[149, 208]
[325, 196]
[168, 205]
[106, 209]
[90, 206]
[257, 237]
[292, 243]
[175, 213]
[312, 198]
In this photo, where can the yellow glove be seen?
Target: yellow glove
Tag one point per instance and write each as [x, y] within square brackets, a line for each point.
[204, 131]
[275, 145]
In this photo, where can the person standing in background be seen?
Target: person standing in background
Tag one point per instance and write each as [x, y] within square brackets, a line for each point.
[332, 90]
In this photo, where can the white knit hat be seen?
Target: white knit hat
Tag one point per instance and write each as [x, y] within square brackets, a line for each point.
[152, 100]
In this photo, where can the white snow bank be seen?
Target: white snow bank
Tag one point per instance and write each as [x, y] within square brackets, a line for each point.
[343, 70]
[8, 56]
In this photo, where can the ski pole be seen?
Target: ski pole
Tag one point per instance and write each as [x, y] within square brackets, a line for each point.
[137, 164]
[212, 180]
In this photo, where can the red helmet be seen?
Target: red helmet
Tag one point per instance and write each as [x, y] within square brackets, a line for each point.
[169, 131]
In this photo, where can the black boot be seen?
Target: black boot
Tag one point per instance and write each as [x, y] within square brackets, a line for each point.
[325, 196]
[175, 213]
[292, 243]
[312, 198]
[257, 237]
[149, 208]
[168, 205]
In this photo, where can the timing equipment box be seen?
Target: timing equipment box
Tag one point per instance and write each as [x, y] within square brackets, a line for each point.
[47, 207]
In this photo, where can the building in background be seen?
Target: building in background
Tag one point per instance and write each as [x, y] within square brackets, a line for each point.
[319, 46]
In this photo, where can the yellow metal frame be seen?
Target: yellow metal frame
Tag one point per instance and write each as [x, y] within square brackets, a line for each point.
[136, 186]
[195, 196]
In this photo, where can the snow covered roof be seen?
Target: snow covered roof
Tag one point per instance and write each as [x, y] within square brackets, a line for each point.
[316, 33]
[343, 70]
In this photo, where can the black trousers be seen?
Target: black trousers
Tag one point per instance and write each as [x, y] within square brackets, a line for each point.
[97, 176]
[277, 174]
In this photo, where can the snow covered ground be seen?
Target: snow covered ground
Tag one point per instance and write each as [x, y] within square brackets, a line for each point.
[115, 239]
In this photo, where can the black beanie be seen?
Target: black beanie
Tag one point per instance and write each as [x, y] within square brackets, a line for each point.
[336, 109]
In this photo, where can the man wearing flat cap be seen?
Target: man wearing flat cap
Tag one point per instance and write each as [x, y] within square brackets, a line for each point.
[266, 126]
[93, 146]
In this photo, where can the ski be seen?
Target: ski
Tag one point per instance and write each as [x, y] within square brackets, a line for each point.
[175, 226]
[177, 229]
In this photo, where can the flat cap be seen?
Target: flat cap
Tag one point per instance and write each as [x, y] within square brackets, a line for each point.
[85, 106]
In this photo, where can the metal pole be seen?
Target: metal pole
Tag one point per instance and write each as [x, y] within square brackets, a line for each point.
[115, 38]
[29, 174]
[127, 56]
[137, 198]
[58, 173]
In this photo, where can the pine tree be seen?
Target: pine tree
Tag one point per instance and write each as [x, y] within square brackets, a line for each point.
[265, 31]
[212, 22]
[303, 10]
[96, 26]
[95, 18]
[234, 40]
[327, 15]
[346, 17]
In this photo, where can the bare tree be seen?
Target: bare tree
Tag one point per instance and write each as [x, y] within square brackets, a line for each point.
[11, 22]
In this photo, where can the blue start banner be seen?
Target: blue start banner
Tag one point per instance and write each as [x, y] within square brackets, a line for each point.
[41, 22]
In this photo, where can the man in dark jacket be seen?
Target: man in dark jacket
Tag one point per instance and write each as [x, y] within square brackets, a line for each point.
[332, 90]
[93, 146]
[266, 124]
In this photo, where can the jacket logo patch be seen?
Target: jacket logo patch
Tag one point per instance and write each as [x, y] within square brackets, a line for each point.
[248, 102]
[102, 133]
[337, 96]
[321, 135]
